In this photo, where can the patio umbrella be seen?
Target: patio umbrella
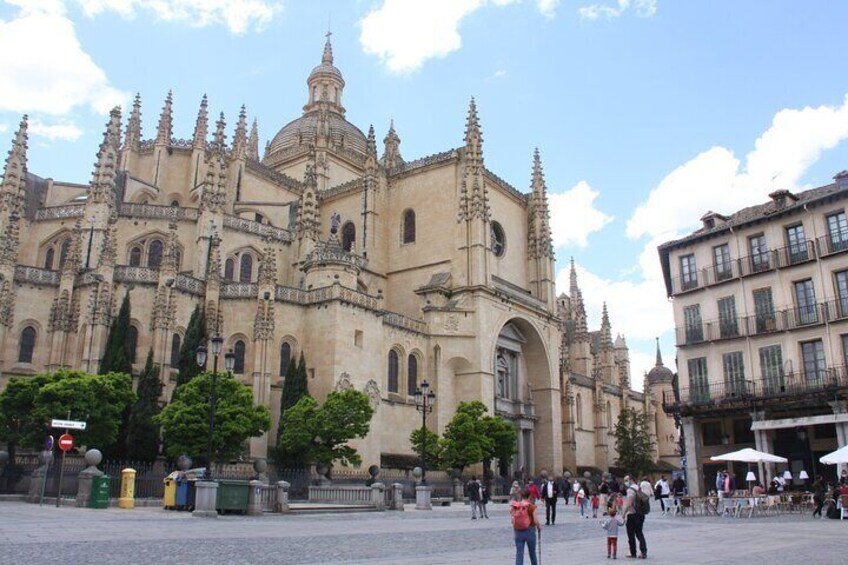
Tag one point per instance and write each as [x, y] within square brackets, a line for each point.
[749, 455]
[837, 457]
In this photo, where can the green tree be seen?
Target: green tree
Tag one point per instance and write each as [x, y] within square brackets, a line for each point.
[185, 421]
[18, 425]
[633, 442]
[143, 432]
[116, 358]
[295, 386]
[434, 449]
[195, 336]
[472, 437]
[319, 434]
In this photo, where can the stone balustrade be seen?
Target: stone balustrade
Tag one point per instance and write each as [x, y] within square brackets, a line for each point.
[190, 285]
[330, 255]
[335, 494]
[257, 228]
[60, 212]
[154, 211]
[34, 275]
[239, 290]
[403, 322]
[141, 275]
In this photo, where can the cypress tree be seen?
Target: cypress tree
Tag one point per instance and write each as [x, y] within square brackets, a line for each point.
[195, 336]
[142, 432]
[294, 388]
[116, 358]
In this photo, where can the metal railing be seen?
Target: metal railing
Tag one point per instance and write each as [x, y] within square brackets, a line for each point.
[832, 243]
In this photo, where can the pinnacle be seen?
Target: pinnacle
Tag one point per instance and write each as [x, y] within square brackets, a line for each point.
[659, 354]
[327, 57]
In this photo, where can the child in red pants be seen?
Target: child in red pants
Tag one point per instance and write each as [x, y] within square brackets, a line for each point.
[611, 526]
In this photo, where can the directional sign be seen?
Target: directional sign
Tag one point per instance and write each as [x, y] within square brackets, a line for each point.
[68, 424]
[66, 442]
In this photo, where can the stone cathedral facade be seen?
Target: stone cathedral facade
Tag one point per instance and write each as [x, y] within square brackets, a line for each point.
[383, 272]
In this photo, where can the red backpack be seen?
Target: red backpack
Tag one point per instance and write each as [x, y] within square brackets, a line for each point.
[520, 512]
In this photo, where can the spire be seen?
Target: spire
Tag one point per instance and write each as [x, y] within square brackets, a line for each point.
[659, 355]
[474, 198]
[14, 173]
[240, 136]
[473, 137]
[166, 126]
[573, 288]
[201, 126]
[581, 329]
[102, 187]
[539, 221]
[133, 137]
[253, 142]
[391, 153]
[268, 266]
[606, 330]
[215, 189]
[327, 57]
[308, 214]
[371, 143]
[219, 141]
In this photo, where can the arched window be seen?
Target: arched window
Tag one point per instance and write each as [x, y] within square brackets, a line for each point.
[578, 410]
[412, 375]
[246, 268]
[348, 236]
[131, 343]
[409, 226]
[63, 252]
[27, 345]
[285, 358]
[176, 341]
[238, 349]
[48, 258]
[498, 240]
[394, 367]
[229, 268]
[175, 203]
[609, 417]
[154, 254]
[178, 259]
[135, 257]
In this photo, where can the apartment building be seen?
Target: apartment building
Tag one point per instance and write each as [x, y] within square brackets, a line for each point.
[761, 320]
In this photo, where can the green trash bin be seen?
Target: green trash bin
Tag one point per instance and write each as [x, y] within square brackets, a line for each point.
[232, 496]
[99, 492]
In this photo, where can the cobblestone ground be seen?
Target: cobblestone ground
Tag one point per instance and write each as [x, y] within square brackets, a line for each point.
[30, 534]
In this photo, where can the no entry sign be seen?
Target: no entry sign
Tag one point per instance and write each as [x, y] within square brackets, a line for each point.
[66, 442]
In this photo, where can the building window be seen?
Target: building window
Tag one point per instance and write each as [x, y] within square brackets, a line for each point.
[694, 327]
[734, 372]
[815, 368]
[837, 230]
[63, 253]
[841, 284]
[797, 244]
[699, 386]
[409, 226]
[771, 366]
[805, 303]
[258, 218]
[176, 341]
[285, 358]
[135, 257]
[412, 375]
[688, 272]
[48, 258]
[727, 321]
[742, 431]
[759, 253]
[723, 264]
[578, 409]
[394, 369]
[175, 203]
[764, 311]
[238, 350]
[845, 349]
[27, 345]
[154, 254]
[229, 269]
[348, 236]
[712, 433]
[246, 268]
[498, 239]
[132, 343]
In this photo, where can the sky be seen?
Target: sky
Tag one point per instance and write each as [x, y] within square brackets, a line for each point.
[647, 113]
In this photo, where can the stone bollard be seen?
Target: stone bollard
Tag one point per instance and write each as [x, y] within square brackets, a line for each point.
[93, 457]
[378, 496]
[254, 499]
[397, 497]
[282, 496]
[39, 477]
[422, 498]
[205, 499]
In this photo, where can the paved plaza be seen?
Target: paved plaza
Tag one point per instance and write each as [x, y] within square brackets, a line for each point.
[30, 534]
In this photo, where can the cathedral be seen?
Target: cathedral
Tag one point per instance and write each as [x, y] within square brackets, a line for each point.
[384, 272]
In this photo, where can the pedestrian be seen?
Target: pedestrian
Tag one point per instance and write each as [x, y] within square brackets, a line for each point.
[472, 491]
[534, 492]
[484, 500]
[611, 525]
[678, 489]
[818, 495]
[613, 485]
[550, 492]
[515, 491]
[719, 484]
[663, 490]
[582, 503]
[603, 492]
[634, 517]
[843, 478]
[524, 526]
[596, 501]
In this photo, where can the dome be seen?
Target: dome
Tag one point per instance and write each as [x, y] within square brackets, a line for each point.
[660, 374]
[304, 129]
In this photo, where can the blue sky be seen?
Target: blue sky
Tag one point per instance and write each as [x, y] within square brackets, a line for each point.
[647, 113]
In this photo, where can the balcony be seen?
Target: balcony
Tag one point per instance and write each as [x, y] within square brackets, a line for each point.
[783, 388]
[832, 243]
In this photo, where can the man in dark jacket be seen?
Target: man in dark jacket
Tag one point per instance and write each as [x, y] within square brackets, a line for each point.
[472, 490]
[550, 492]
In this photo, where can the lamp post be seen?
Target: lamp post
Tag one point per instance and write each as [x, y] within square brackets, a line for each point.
[216, 342]
[424, 399]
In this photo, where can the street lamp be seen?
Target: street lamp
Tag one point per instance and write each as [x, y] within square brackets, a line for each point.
[229, 361]
[424, 399]
[216, 342]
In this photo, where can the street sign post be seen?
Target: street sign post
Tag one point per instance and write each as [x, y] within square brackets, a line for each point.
[68, 424]
[66, 443]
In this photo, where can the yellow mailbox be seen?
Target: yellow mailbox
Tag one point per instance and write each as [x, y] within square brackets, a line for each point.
[127, 499]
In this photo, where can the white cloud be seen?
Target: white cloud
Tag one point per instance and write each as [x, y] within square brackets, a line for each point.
[63, 129]
[239, 16]
[52, 74]
[3, 127]
[642, 9]
[574, 216]
[500, 73]
[547, 8]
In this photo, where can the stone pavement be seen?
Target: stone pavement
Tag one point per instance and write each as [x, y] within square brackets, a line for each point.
[30, 534]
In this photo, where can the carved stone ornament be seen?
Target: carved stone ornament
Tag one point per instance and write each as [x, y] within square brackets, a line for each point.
[344, 382]
[372, 389]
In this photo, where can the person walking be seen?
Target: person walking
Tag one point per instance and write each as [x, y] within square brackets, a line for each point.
[550, 492]
[663, 490]
[524, 526]
[534, 491]
[603, 492]
[515, 491]
[719, 484]
[818, 495]
[678, 489]
[634, 518]
[472, 491]
[611, 525]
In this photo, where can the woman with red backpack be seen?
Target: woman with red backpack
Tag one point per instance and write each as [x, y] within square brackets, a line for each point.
[524, 525]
